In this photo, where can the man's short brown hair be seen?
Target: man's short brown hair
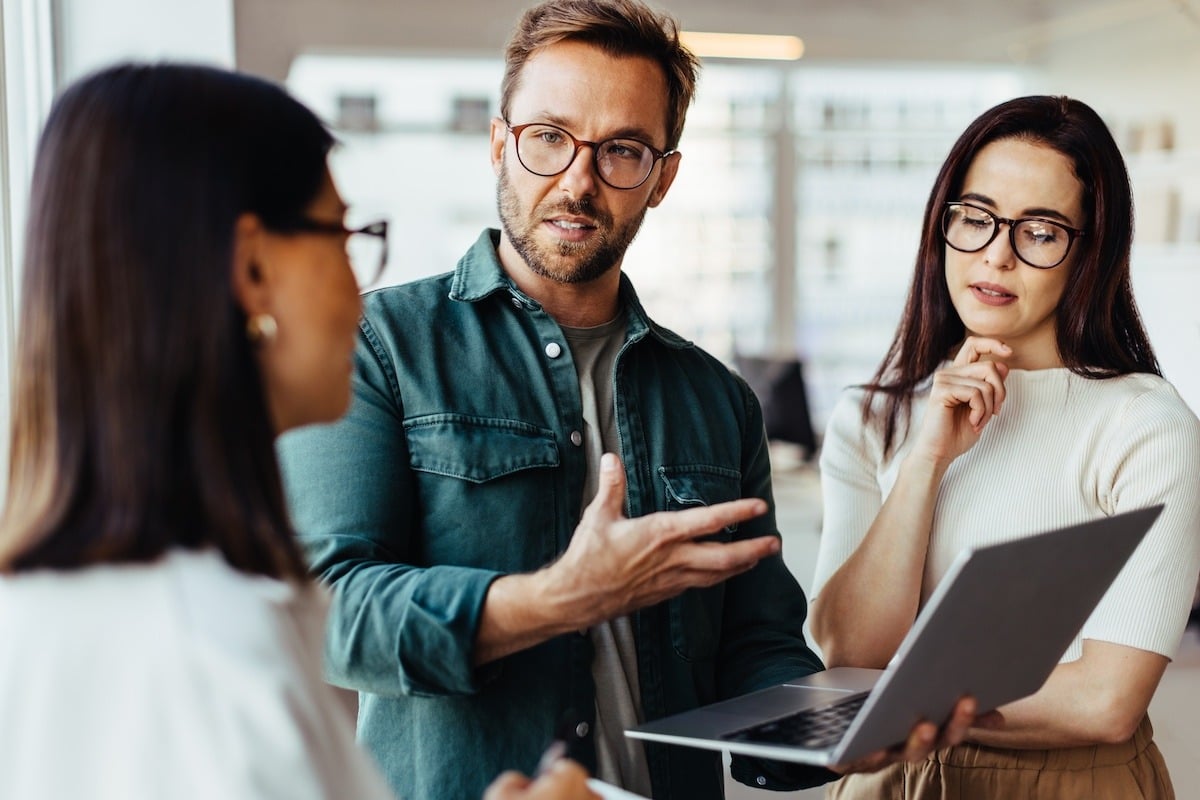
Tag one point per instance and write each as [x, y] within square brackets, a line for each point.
[620, 28]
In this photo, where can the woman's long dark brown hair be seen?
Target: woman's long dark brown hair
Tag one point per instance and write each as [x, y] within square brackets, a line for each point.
[1100, 333]
[139, 420]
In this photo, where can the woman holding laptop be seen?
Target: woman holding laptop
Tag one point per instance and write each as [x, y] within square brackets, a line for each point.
[1020, 394]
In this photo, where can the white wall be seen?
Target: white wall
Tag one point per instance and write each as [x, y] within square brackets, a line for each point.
[94, 33]
[1142, 76]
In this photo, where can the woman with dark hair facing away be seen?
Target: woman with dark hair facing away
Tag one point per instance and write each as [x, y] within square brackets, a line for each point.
[1020, 394]
[187, 296]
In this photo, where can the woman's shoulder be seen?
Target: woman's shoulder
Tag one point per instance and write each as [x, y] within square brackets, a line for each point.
[851, 423]
[1147, 394]
[108, 595]
[1139, 391]
[183, 595]
[235, 617]
[1148, 384]
[1141, 410]
[215, 671]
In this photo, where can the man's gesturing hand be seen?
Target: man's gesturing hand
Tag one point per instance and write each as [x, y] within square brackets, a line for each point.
[615, 565]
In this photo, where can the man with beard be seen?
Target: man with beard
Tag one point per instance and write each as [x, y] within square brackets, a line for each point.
[542, 505]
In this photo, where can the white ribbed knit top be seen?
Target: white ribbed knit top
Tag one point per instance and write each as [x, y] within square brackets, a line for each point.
[1064, 449]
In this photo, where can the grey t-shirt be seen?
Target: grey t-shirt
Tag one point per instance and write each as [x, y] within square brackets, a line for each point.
[619, 759]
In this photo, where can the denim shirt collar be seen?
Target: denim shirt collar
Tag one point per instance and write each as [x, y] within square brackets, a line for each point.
[479, 274]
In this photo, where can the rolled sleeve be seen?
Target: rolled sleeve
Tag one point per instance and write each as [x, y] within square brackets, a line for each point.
[396, 626]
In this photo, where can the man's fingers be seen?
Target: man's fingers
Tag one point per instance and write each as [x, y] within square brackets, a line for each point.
[726, 559]
[692, 523]
[708, 563]
[609, 502]
[698, 565]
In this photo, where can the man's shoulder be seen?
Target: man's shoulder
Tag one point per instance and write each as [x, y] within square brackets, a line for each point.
[678, 362]
[687, 352]
[429, 291]
[408, 308]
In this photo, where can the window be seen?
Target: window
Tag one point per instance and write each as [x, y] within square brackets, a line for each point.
[26, 90]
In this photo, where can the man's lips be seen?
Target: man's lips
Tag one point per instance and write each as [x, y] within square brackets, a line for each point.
[571, 228]
[571, 223]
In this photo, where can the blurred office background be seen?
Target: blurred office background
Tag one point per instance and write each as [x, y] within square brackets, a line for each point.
[785, 245]
[791, 230]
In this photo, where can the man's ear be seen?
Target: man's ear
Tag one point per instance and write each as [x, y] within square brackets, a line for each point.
[249, 279]
[670, 166]
[499, 137]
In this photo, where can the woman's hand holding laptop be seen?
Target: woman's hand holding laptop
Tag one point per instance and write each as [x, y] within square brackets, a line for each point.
[927, 737]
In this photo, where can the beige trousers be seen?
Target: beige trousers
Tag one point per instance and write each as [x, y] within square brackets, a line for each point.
[1132, 769]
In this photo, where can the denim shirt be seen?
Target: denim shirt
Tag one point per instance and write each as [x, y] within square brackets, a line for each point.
[460, 461]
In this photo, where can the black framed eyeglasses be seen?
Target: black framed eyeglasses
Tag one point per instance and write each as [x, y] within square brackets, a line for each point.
[1038, 242]
[366, 247]
[548, 150]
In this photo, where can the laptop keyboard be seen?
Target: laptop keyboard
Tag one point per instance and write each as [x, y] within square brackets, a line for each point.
[812, 728]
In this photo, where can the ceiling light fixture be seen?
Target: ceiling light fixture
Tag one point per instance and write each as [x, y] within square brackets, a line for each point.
[743, 45]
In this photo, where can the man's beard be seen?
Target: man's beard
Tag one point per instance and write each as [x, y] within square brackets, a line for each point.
[569, 262]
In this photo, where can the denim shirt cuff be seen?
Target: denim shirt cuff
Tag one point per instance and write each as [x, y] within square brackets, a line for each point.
[452, 608]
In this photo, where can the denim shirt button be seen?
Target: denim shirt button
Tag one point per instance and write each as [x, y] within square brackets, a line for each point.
[581, 730]
[761, 780]
[554, 350]
[516, 301]
[576, 438]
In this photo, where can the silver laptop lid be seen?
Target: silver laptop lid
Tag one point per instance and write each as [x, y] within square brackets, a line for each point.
[996, 626]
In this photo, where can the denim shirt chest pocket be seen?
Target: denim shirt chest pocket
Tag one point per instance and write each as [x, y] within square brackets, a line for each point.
[696, 614]
[479, 479]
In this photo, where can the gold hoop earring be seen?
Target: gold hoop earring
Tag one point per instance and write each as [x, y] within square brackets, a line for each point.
[261, 328]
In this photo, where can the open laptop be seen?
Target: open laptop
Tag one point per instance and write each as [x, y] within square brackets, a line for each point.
[995, 627]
